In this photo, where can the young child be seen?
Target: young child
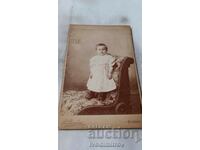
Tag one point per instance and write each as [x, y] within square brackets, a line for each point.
[100, 80]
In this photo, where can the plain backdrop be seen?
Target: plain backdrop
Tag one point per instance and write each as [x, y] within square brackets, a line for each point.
[119, 43]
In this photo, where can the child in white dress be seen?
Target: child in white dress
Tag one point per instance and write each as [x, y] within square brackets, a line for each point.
[100, 80]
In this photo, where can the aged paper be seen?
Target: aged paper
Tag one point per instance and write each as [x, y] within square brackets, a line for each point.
[100, 87]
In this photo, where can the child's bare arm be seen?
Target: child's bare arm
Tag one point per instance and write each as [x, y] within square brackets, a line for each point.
[90, 75]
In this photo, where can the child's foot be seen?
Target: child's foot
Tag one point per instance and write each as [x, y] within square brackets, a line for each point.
[90, 95]
[101, 96]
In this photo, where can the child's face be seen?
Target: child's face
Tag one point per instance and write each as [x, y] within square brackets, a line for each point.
[101, 50]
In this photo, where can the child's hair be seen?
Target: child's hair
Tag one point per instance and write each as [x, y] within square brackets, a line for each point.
[102, 44]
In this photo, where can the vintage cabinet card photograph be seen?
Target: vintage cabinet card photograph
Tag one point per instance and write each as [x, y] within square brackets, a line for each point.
[100, 86]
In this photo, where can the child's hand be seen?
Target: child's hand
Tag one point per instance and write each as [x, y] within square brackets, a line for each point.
[109, 76]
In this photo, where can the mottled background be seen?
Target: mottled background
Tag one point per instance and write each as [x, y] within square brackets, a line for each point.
[101, 12]
[82, 47]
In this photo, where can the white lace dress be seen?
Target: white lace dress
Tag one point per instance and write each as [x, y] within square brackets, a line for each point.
[100, 67]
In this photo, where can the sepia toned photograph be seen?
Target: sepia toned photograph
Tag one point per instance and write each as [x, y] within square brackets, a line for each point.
[100, 87]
